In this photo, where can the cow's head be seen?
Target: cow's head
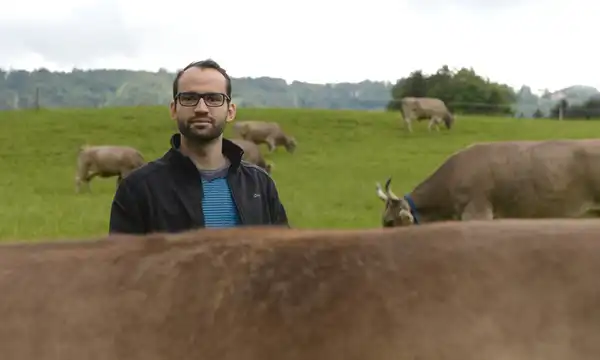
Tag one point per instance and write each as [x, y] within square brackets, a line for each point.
[448, 120]
[290, 144]
[397, 210]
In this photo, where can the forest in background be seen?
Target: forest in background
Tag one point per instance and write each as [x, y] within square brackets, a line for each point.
[463, 90]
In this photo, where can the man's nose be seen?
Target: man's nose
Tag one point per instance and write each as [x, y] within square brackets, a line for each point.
[201, 107]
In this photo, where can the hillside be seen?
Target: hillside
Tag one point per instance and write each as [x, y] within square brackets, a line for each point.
[111, 88]
[328, 182]
[527, 103]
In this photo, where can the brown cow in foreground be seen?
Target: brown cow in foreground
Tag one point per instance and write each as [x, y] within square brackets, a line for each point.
[252, 154]
[420, 108]
[493, 290]
[511, 179]
[263, 132]
[106, 161]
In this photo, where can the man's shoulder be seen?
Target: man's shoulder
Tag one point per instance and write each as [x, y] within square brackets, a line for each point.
[147, 172]
[255, 171]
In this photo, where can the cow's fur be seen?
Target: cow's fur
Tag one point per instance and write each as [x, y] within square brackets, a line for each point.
[105, 161]
[493, 290]
[512, 179]
[252, 154]
[420, 108]
[263, 132]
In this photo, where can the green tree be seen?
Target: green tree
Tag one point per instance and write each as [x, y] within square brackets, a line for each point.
[463, 91]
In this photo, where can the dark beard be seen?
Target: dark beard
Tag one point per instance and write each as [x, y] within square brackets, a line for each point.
[205, 136]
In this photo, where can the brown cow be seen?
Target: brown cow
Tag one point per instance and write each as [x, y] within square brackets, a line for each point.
[397, 210]
[511, 179]
[493, 290]
[105, 161]
[252, 154]
[262, 132]
[419, 108]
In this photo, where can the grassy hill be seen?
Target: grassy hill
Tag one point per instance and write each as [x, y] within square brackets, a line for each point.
[328, 182]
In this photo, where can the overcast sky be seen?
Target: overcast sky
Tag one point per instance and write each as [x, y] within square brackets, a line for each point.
[511, 41]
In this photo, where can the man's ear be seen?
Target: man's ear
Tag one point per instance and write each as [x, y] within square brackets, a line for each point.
[173, 109]
[231, 112]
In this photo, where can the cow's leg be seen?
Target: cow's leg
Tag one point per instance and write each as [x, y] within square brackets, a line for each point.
[407, 122]
[434, 121]
[81, 175]
[271, 143]
[78, 182]
[431, 123]
[478, 209]
[89, 178]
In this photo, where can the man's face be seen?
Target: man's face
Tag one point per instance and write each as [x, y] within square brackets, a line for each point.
[202, 120]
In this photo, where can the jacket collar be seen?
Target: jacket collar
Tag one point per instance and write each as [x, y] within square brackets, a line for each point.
[231, 151]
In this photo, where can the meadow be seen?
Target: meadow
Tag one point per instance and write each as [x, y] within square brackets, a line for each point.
[329, 182]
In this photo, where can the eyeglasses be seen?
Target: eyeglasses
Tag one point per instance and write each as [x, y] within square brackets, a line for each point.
[191, 99]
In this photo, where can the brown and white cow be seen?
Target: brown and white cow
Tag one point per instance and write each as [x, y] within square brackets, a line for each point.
[420, 108]
[494, 290]
[509, 179]
[106, 161]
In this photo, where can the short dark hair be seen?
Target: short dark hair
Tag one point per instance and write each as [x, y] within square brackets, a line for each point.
[204, 64]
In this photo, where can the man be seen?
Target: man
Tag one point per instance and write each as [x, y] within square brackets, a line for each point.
[201, 181]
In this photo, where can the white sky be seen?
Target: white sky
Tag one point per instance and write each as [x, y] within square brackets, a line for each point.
[511, 41]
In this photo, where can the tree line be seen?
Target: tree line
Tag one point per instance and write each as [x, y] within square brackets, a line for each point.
[463, 90]
[109, 88]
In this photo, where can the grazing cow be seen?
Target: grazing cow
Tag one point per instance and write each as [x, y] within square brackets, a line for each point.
[397, 211]
[419, 108]
[106, 161]
[252, 154]
[262, 132]
[511, 179]
[507, 289]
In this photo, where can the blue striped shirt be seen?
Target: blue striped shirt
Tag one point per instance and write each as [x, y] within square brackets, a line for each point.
[217, 203]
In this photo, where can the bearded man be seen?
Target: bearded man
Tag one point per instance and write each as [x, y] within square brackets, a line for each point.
[202, 180]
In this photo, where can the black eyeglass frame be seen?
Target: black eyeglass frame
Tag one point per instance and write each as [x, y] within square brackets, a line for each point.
[194, 103]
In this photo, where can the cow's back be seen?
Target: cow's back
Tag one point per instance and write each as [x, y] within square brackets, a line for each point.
[115, 158]
[422, 107]
[532, 178]
[457, 291]
[255, 130]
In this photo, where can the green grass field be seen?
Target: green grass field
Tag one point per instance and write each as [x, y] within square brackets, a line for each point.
[328, 182]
